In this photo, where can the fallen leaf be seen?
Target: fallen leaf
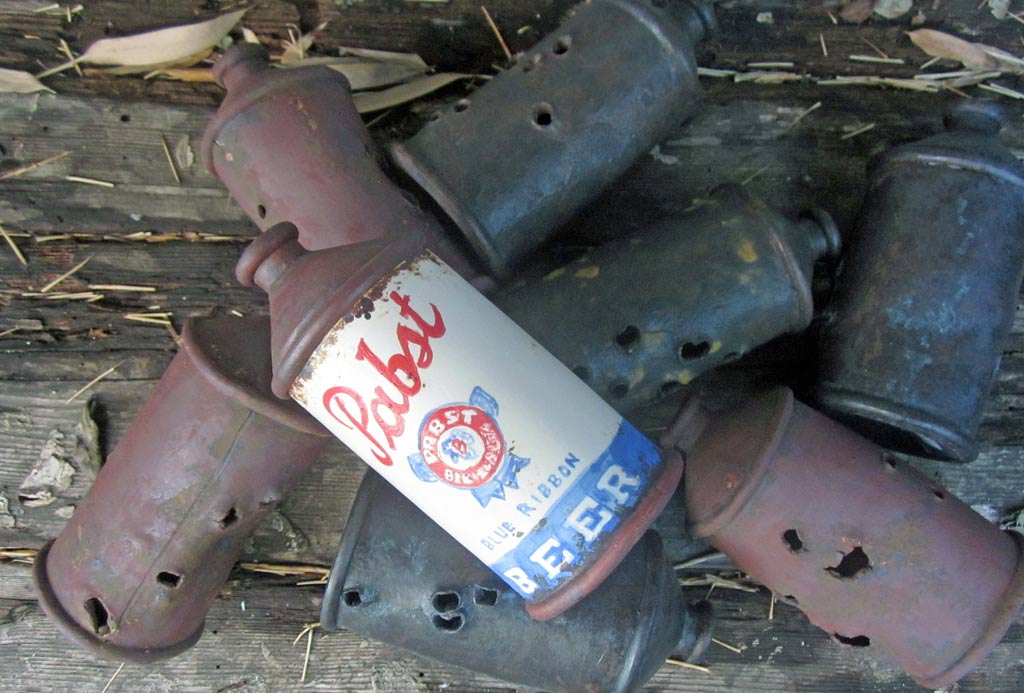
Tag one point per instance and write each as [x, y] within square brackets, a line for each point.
[249, 35]
[412, 59]
[184, 74]
[152, 49]
[976, 56]
[370, 101]
[185, 62]
[857, 11]
[297, 44]
[999, 8]
[18, 82]
[891, 9]
[366, 74]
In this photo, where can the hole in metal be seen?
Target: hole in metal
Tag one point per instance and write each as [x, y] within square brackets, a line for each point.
[230, 518]
[694, 350]
[855, 641]
[97, 616]
[628, 338]
[793, 540]
[619, 390]
[582, 372]
[125, 118]
[852, 565]
[485, 596]
[352, 597]
[939, 494]
[446, 601]
[562, 45]
[542, 115]
[449, 624]
[668, 387]
[261, 211]
[461, 105]
[168, 579]
[791, 598]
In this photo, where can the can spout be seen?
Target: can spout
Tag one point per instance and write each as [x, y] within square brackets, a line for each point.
[696, 634]
[267, 257]
[697, 17]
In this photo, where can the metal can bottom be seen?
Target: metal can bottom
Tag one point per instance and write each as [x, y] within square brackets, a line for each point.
[70, 628]
[1003, 616]
[899, 428]
[619, 543]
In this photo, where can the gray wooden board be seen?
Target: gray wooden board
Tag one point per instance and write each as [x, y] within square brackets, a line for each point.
[113, 127]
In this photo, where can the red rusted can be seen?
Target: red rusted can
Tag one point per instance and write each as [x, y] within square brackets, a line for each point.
[461, 410]
[207, 458]
[871, 550]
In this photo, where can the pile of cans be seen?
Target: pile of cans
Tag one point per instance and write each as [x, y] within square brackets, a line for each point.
[509, 499]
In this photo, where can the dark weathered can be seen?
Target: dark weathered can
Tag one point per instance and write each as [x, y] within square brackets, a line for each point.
[207, 458]
[927, 290]
[641, 316]
[520, 156]
[461, 410]
[401, 579]
[871, 550]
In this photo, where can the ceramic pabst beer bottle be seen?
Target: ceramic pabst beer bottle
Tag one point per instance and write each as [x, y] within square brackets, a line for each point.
[461, 410]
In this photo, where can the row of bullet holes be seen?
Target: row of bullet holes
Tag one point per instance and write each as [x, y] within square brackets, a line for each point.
[444, 603]
[99, 616]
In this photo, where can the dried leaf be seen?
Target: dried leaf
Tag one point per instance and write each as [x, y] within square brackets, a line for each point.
[186, 62]
[370, 101]
[366, 74]
[249, 35]
[857, 11]
[18, 82]
[412, 59]
[891, 9]
[999, 8]
[976, 56]
[162, 47]
[297, 44]
[184, 74]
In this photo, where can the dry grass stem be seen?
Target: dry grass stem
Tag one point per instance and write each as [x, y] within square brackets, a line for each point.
[497, 33]
[832, 17]
[714, 72]
[67, 274]
[283, 569]
[824, 48]
[4, 333]
[697, 560]
[122, 287]
[89, 181]
[718, 581]
[771, 65]
[113, 677]
[170, 160]
[39, 10]
[876, 49]
[92, 382]
[997, 89]
[14, 172]
[67, 50]
[88, 296]
[766, 77]
[687, 665]
[873, 59]
[149, 318]
[18, 555]
[858, 131]
[727, 646]
[771, 608]
[755, 174]
[14, 247]
[803, 114]
[237, 313]
[874, 80]
[928, 63]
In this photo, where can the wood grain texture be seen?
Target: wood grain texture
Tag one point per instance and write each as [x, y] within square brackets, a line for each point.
[113, 127]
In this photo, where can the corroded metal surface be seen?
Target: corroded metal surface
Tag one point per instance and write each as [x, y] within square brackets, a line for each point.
[642, 316]
[871, 550]
[927, 290]
[399, 578]
[413, 369]
[208, 457]
[516, 159]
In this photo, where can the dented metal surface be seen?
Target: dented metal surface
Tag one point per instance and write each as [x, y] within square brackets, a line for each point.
[401, 579]
[640, 317]
[871, 550]
[210, 454]
[569, 118]
[927, 290]
[533, 473]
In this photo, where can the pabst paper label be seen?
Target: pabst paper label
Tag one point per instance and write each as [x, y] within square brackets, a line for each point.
[478, 425]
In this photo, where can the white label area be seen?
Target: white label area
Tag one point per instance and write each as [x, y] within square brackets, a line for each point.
[477, 424]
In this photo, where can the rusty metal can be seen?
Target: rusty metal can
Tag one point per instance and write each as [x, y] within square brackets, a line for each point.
[927, 290]
[871, 550]
[652, 312]
[289, 145]
[579, 107]
[462, 411]
[401, 579]
[208, 457]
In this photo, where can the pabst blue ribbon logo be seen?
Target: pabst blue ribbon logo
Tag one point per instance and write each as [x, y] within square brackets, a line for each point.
[461, 444]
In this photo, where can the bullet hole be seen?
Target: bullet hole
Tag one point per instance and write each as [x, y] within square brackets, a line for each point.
[449, 624]
[167, 579]
[582, 372]
[527, 66]
[793, 540]
[628, 338]
[855, 641]
[261, 212]
[731, 356]
[939, 494]
[352, 597]
[852, 565]
[485, 596]
[790, 598]
[542, 115]
[97, 616]
[3, 150]
[461, 105]
[619, 390]
[445, 601]
[689, 351]
[125, 118]
[434, 115]
[669, 387]
[562, 45]
[230, 518]
[889, 460]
